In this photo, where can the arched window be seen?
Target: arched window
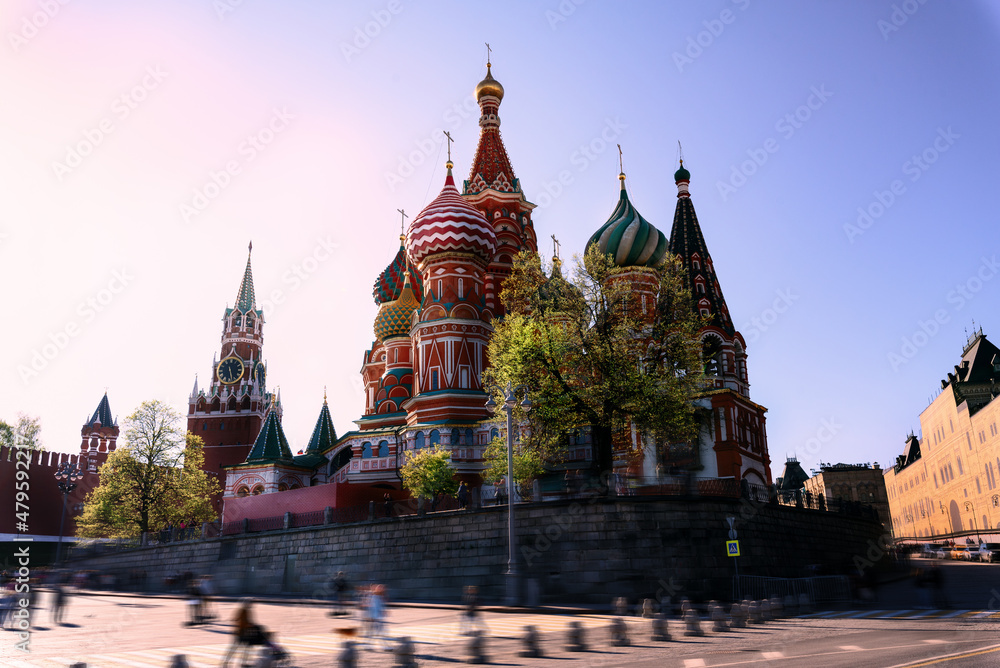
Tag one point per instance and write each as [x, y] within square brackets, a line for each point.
[282, 487]
[468, 437]
[257, 490]
[435, 437]
[366, 450]
[242, 491]
[383, 448]
[494, 433]
[456, 437]
[419, 440]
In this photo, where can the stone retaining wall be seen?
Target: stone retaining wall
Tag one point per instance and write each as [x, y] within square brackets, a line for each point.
[571, 551]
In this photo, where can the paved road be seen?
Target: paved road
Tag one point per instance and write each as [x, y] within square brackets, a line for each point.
[145, 632]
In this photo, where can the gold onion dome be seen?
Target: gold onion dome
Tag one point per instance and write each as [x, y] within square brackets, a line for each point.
[489, 86]
[394, 317]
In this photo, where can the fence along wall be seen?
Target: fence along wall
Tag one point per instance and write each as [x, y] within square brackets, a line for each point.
[572, 551]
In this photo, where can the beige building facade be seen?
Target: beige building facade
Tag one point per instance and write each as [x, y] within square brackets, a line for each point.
[946, 484]
[861, 483]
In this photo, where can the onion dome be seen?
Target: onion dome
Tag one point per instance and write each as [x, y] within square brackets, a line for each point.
[394, 317]
[682, 178]
[629, 237]
[557, 294]
[450, 224]
[390, 282]
[489, 86]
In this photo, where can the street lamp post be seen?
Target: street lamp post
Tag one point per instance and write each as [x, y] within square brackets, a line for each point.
[66, 477]
[971, 507]
[509, 401]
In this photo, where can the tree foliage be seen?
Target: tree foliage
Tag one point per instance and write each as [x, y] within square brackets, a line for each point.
[429, 471]
[528, 462]
[589, 356]
[22, 434]
[155, 479]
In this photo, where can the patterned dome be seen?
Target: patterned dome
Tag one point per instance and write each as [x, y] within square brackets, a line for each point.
[449, 224]
[394, 317]
[390, 282]
[629, 237]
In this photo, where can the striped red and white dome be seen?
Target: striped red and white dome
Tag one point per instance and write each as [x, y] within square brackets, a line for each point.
[450, 224]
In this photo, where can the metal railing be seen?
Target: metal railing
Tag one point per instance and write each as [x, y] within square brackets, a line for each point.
[821, 588]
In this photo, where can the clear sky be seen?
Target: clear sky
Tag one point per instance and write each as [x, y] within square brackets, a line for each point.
[117, 117]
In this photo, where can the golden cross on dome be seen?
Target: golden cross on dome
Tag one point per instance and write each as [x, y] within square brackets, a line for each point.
[402, 224]
[680, 152]
[488, 50]
[450, 140]
[555, 246]
[620, 167]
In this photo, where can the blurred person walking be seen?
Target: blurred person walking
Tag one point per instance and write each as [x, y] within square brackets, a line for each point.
[376, 617]
[471, 620]
[59, 601]
[246, 633]
[339, 594]
[463, 496]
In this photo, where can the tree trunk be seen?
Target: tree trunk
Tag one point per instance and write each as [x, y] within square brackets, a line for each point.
[604, 456]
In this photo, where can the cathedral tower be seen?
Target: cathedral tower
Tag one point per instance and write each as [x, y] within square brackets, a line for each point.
[496, 192]
[451, 243]
[735, 429]
[228, 414]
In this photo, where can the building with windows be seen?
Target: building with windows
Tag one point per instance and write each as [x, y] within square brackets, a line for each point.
[946, 483]
[856, 483]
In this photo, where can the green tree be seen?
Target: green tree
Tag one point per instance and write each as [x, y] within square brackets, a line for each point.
[150, 481]
[529, 463]
[23, 434]
[428, 472]
[588, 358]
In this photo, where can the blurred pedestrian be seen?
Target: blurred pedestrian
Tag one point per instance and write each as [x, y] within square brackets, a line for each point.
[59, 600]
[194, 602]
[471, 620]
[936, 579]
[501, 491]
[376, 616]
[245, 633]
[206, 589]
[387, 503]
[339, 594]
[463, 496]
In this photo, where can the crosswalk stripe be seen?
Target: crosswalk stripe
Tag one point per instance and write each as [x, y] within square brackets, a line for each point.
[120, 660]
[694, 663]
[850, 648]
[773, 655]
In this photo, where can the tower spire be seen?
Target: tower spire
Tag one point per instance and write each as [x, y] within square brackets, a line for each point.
[245, 301]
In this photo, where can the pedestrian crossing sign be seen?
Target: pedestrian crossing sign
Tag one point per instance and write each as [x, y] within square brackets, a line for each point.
[733, 548]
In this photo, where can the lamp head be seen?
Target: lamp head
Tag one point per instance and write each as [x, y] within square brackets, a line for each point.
[526, 405]
[491, 405]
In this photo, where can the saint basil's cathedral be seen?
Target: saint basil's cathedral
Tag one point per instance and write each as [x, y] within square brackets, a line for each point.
[437, 301]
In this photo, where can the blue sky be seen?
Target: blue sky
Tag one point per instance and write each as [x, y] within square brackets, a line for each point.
[792, 116]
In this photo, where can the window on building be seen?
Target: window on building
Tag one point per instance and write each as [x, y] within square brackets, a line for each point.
[366, 450]
[456, 437]
[461, 286]
[418, 440]
[463, 377]
[961, 469]
[383, 448]
[434, 379]
[435, 437]
[979, 490]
